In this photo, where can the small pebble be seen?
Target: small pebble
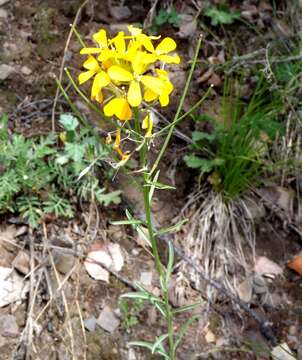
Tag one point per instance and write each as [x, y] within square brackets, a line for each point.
[90, 323]
[3, 14]
[107, 320]
[9, 326]
[26, 70]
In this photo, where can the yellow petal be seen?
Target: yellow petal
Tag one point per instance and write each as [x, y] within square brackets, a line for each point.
[110, 107]
[117, 141]
[124, 159]
[148, 124]
[89, 51]
[147, 43]
[141, 60]
[134, 31]
[134, 94]
[149, 95]
[106, 55]
[145, 122]
[101, 80]
[119, 42]
[162, 74]
[91, 63]
[165, 46]
[99, 97]
[118, 107]
[84, 76]
[164, 99]
[123, 111]
[169, 59]
[153, 83]
[118, 73]
[101, 38]
[133, 50]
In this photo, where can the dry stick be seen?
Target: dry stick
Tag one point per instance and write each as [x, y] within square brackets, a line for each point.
[64, 301]
[75, 21]
[29, 321]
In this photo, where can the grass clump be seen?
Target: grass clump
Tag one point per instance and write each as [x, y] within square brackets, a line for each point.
[231, 152]
[38, 177]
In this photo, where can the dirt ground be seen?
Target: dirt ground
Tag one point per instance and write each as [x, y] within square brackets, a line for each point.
[65, 313]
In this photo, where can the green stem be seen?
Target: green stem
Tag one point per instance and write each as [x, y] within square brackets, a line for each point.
[169, 325]
[152, 237]
[182, 99]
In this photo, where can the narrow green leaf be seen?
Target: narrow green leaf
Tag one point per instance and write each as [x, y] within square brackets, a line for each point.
[159, 342]
[126, 222]
[183, 331]
[172, 228]
[152, 188]
[170, 263]
[186, 308]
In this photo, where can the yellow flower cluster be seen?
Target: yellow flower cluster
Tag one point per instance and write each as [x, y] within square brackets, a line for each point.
[126, 67]
[125, 70]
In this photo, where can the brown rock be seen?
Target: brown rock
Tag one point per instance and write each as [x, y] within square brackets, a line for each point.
[22, 262]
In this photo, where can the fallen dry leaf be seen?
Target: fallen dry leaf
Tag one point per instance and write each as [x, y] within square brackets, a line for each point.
[210, 337]
[265, 266]
[205, 76]
[245, 290]
[215, 80]
[296, 264]
[187, 27]
[278, 196]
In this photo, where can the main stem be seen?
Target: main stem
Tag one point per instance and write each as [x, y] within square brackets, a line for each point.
[152, 237]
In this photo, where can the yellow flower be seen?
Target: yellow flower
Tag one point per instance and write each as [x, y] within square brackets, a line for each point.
[120, 75]
[123, 67]
[167, 87]
[101, 39]
[166, 46]
[118, 107]
[101, 78]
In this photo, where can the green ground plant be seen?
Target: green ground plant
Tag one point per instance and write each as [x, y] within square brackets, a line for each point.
[117, 87]
[221, 15]
[164, 17]
[232, 154]
[38, 177]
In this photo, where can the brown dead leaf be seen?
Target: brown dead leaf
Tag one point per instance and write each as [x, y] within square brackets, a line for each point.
[215, 80]
[245, 290]
[187, 26]
[205, 76]
[249, 12]
[296, 263]
[265, 6]
[7, 238]
[210, 337]
[279, 196]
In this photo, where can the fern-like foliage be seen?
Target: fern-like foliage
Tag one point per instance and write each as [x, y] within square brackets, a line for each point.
[37, 177]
